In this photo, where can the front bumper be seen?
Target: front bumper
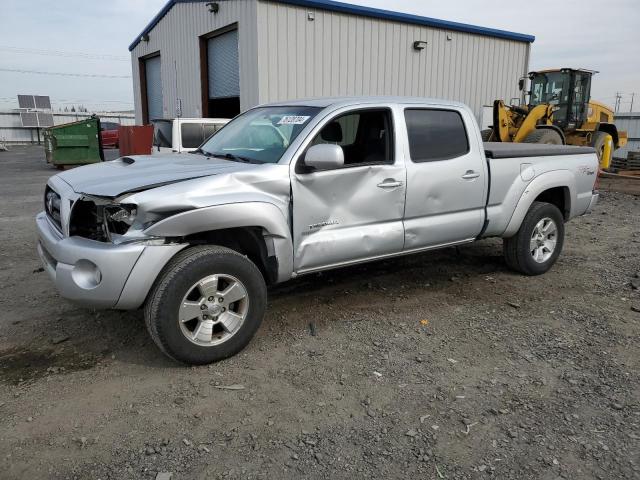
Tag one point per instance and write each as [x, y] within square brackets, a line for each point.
[100, 274]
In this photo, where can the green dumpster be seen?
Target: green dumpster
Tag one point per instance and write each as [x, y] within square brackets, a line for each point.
[76, 143]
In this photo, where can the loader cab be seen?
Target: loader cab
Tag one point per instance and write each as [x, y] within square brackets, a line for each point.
[567, 90]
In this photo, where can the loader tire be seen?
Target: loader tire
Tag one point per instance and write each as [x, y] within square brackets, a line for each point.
[597, 142]
[544, 135]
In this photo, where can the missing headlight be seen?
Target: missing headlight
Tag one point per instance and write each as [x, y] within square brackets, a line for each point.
[90, 219]
[119, 218]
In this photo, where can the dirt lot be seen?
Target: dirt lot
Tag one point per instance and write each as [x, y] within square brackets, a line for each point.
[442, 365]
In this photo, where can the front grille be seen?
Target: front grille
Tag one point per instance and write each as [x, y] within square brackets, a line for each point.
[52, 204]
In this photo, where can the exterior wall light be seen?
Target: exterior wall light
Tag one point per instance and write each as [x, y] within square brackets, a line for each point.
[145, 37]
[311, 16]
[419, 45]
[213, 7]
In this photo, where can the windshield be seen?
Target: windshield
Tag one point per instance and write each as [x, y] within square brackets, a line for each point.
[550, 88]
[260, 135]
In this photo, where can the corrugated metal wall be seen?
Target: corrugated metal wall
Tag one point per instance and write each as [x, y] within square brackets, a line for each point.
[629, 122]
[283, 55]
[176, 36]
[12, 131]
[341, 54]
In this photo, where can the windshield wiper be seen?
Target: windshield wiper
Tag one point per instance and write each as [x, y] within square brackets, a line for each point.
[235, 158]
[200, 151]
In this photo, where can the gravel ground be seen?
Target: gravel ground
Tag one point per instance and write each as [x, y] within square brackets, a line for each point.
[442, 365]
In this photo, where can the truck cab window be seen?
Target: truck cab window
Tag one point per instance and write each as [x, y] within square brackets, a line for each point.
[365, 136]
[435, 134]
[191, 135]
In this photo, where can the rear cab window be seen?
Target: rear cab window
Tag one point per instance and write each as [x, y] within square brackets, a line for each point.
[435, 134]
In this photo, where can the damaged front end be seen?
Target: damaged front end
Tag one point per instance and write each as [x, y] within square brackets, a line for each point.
[106, 220]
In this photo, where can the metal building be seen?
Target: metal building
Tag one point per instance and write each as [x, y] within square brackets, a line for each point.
[630, 123]
[217, 58]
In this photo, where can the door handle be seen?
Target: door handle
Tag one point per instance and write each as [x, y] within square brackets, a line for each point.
[390, 183]
[470, 174]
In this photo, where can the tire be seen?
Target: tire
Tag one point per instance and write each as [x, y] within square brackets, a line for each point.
[193, 285]
[597, 142]
[544, 135]
[524, 253]
[486, 134]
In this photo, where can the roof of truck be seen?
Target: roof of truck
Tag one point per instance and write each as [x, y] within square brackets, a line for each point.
[324, 102]
[365, 12]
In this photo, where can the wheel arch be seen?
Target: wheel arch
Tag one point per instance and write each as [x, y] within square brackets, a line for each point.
[259, 228]
[556, 187]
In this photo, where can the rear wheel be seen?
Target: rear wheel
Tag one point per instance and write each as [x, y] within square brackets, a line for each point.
[536, 246]
[544, 135]
[206, 305]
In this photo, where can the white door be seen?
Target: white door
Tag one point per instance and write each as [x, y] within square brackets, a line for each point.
[355, 212]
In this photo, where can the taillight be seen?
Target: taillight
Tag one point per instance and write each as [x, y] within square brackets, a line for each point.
[596, 184]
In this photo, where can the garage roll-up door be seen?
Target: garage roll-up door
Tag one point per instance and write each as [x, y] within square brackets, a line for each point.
[154, 87]
[222, 62]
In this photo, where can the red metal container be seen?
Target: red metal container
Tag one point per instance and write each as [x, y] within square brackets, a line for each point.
[135, 140]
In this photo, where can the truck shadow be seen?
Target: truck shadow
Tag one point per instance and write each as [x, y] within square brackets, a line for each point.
[97, 338]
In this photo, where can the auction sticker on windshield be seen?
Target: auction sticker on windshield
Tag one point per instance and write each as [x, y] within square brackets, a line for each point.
[293, 120]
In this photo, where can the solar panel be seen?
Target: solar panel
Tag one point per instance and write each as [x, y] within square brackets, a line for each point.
[42, 102]
[29, 119]
[45, 119]
[26, 101]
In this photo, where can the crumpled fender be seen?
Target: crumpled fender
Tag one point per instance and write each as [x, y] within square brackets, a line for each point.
[555, 178]
[234, 215]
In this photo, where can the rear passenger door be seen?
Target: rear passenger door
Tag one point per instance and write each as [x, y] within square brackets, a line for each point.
[446, 177]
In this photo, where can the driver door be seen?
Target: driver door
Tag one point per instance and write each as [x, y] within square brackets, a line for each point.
[353, 213]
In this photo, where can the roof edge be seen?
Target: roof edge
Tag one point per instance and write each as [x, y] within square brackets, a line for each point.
[341, 7]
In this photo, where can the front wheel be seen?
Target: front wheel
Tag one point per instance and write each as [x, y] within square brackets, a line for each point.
[536, 246]
[206, 305]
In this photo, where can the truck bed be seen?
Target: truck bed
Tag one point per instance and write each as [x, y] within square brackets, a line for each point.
[519, 150]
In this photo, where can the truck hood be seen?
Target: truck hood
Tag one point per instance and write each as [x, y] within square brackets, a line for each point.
[140, 172]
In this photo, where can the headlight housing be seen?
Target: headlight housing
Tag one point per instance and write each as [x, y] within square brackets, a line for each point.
[118, 218]
[100, 219]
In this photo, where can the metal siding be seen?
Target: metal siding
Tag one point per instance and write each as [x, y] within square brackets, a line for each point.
[282, 55]
[176, 37]
[629, 122]
[342, 54]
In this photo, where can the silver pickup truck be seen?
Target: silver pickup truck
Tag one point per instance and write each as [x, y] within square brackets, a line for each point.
[292, 188]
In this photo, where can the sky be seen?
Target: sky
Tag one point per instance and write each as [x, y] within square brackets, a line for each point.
[91, 38]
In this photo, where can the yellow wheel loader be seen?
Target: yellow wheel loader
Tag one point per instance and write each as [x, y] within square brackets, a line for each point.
[559, 111]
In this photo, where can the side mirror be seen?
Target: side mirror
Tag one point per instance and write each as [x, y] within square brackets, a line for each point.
[324, 156]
